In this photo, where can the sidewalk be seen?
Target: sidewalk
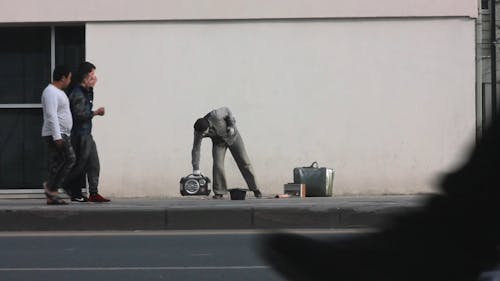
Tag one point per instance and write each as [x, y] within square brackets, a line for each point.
[204, 213]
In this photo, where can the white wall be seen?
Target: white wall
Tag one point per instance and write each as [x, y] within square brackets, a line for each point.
[387, 103]
[131, 10]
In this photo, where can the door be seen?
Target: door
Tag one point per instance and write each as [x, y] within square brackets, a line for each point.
[27, 55]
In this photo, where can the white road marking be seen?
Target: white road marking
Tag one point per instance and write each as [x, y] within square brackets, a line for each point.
[134, 268]
[179, 232]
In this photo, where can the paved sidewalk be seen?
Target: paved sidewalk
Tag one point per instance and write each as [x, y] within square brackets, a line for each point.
[204, 213]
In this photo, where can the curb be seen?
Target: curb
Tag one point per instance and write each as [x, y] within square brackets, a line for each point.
[193, 217]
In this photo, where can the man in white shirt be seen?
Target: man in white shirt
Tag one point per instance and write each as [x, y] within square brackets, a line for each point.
[57, 124]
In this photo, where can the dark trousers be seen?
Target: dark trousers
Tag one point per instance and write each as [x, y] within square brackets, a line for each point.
[87, 167]
[60, 162]
[240, 156]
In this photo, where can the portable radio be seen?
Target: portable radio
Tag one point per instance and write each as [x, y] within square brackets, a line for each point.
[195, 185]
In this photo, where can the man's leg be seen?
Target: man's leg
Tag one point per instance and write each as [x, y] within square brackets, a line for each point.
[60, 162]
[76, 180]
[93, 166]
[240, 156]
[67, 160]
[93, 170]
[218, 154]
[54, 164]
[74, 186]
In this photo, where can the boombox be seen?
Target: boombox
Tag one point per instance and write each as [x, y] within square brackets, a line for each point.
[195, 185]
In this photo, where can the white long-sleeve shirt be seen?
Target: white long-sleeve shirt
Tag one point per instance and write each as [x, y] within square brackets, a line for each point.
[57, 118]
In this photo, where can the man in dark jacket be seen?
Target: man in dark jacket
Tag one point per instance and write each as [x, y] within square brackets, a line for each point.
[87, 166]
[220, 126]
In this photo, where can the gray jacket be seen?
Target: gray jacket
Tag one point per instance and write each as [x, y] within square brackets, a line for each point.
[220, 121]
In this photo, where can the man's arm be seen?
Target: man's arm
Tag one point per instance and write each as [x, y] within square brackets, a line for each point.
[230, 121]
[195, 153]
[78, 108]
[228, 116]
[49, 105]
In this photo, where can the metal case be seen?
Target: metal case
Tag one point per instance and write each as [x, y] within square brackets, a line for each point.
[318, 181]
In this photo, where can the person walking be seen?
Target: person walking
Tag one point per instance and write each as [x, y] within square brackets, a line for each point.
[87, 167]
[220, 126]
[56, 130]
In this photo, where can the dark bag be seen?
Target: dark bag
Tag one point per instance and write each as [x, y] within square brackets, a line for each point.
[318, 181]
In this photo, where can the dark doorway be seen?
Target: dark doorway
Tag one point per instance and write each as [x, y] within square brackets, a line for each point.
[25, 56]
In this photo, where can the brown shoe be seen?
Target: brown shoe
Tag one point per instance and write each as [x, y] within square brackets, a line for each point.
[52, 196]
[54, 199]
[218, 196]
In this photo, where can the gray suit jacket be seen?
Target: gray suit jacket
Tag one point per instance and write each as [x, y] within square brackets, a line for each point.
[220, 120]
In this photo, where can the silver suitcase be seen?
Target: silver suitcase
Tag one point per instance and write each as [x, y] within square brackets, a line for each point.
[318, 180]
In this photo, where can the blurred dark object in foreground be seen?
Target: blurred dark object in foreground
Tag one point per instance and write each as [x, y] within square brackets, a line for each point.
[454, 237]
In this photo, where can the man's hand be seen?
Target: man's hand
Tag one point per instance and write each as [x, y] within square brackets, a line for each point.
[92, 80]
[100, 111]
[196, 172]
[59, 144]
[230, 131]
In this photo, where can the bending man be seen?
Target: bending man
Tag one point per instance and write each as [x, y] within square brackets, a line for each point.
[220, 126]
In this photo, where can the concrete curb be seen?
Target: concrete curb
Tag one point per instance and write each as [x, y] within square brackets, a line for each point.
[177, 214]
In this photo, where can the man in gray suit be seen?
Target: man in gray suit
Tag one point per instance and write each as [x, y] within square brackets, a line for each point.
[219, 125]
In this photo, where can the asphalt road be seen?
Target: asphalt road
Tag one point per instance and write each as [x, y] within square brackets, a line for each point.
[136, 256]
[140, 256]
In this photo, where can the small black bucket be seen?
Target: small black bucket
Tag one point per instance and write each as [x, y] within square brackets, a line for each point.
[238, 193]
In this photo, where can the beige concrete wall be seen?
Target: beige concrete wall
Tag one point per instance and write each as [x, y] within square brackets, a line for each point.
[387, 103]
[23, 11]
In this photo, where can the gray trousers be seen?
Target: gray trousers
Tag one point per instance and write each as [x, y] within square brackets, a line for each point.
[240, 156]
[87, 167]
[60, 162]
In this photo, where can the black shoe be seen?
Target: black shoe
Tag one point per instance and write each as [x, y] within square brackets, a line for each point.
[257, 194]
[218, 196]
[81, 199]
